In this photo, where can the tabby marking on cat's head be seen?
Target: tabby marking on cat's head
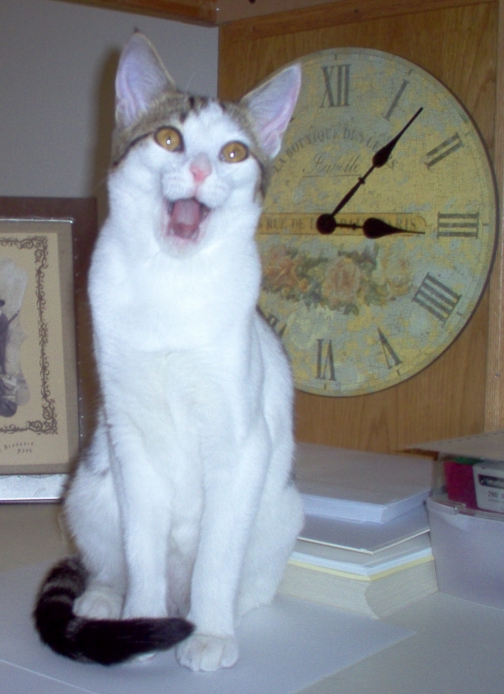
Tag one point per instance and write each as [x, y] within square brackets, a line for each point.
[205, 153]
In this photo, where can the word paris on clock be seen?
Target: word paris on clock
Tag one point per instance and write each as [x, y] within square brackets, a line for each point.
[389, 164]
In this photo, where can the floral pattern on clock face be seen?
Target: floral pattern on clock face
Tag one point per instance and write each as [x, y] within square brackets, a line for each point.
[344, 283]
[359, 315]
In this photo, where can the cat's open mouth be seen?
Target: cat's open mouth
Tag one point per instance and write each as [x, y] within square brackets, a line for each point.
[186, 215]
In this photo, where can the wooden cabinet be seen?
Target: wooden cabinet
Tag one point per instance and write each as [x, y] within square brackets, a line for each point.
[458, 42]
[197, 11]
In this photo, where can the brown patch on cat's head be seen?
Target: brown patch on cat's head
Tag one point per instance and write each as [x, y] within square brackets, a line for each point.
[174, 107]
[240, 114]
[171, 107]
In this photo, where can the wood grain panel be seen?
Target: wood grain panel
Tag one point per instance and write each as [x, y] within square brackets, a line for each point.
[217, 12]
[458, 45]
[193, 11]
[494, 395]
[336, 14]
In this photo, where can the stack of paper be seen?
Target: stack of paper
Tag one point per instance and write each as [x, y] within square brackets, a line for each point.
[365, 537]
[355, 485]
[365, 545]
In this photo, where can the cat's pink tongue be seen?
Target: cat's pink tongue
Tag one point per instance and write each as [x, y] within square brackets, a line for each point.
[185, 218]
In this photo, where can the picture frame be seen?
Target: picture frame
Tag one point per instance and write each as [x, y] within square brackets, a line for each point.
[45, 346]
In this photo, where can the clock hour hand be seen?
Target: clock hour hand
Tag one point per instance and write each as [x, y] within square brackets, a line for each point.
[374, 228]
[380, 158]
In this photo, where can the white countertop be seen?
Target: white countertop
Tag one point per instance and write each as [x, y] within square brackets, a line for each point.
[458, 646]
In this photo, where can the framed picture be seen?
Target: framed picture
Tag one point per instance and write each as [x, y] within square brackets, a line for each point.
[44, 253]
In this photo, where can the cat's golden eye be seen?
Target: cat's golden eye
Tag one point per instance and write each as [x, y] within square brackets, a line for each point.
[234, 152]
[170, 139]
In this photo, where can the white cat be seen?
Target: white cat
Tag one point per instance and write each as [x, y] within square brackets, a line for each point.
[183, 508]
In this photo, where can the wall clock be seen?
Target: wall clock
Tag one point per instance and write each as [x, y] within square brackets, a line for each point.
[374, 137]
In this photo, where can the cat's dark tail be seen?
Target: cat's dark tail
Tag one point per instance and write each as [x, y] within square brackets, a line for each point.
[104, 641]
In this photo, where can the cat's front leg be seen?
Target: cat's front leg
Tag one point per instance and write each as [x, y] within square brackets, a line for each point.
[145, 538]
[145, 525]
[232, 491]
[208, 652]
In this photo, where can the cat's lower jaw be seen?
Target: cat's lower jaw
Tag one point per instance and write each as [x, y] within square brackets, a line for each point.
[185, 217]
[207, 652]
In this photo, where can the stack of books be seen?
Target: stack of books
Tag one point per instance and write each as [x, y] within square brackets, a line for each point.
[365, 545]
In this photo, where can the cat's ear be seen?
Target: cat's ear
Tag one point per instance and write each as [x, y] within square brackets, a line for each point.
[141, 77]
[271, 106]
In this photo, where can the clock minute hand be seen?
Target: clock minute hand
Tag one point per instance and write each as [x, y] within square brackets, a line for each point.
[352, 191]
[381, 157]
[326, 223]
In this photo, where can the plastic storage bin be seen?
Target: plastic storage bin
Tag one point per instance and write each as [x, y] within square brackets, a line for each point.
[468, 548]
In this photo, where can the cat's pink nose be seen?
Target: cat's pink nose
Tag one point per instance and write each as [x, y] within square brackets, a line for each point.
[200, 168]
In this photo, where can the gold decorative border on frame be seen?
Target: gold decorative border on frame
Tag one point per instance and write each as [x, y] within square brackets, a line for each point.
[57, 235]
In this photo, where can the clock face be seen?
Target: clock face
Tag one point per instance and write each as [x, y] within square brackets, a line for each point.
[358, 315]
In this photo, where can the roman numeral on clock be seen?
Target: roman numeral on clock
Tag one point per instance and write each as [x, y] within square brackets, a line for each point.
[325, 361]
[458, 225]
[274, 323]
[395, 101]
[436, 297]
[443, 150]
[391, 356]
[336, 90]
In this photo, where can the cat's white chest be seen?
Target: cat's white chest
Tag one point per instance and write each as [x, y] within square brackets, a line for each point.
[158, 303]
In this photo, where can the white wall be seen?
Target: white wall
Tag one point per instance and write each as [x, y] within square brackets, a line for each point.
[57, 65]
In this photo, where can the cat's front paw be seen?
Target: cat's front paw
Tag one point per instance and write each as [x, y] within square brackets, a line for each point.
[207, 652]
[98, 602]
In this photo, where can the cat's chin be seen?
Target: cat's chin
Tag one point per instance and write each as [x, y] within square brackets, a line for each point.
[185, 220]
